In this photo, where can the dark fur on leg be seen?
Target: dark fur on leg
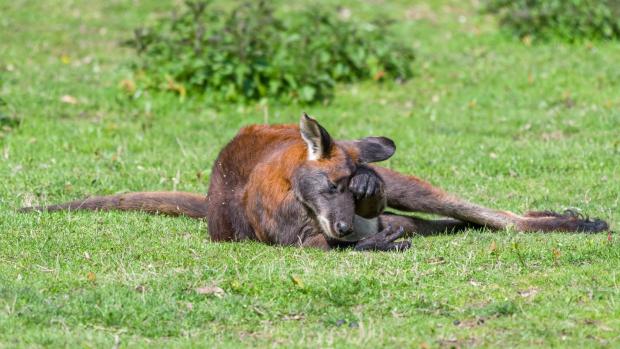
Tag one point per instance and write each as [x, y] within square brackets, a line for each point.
[415, 226]
[570, 220]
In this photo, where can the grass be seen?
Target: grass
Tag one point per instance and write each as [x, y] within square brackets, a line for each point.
[498, 121]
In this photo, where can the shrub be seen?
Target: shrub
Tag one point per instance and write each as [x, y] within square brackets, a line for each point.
[249, 53]
[570, 20]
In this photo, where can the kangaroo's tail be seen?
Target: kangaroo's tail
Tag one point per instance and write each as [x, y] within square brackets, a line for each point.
[169, 203]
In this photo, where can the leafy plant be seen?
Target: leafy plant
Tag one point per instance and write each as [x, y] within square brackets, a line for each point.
[250, 53]
[569, 20]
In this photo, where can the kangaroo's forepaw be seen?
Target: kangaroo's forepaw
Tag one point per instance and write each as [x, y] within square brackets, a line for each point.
[384, 240]
[365, 183]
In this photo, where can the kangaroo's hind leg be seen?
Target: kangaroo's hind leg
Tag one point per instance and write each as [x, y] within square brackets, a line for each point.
[409, 193]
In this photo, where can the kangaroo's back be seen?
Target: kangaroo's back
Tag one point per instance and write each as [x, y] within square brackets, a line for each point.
[231, 171]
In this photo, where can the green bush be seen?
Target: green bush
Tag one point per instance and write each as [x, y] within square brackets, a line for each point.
[569, 20]
[250, 53]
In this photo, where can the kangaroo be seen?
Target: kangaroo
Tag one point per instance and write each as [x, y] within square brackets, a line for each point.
[295, 185]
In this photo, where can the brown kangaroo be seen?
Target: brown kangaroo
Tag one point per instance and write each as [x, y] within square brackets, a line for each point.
[295, 185]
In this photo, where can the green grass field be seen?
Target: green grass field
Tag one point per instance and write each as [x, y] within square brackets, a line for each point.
[491, 118]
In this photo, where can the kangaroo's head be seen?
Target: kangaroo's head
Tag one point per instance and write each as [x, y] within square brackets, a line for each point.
[321, 183]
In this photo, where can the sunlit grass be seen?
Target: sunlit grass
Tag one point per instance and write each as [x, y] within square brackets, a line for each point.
[488, 117]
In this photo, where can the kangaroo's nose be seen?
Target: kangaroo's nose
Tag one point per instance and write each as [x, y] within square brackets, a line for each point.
[342, 227]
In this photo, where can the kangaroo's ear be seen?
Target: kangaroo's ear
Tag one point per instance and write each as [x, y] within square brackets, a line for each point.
[316, 137]
[374, 149]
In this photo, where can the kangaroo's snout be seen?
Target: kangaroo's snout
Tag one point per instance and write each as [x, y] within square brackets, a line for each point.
[343, 228]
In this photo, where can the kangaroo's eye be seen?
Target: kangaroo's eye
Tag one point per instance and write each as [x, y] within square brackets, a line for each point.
[332, 188]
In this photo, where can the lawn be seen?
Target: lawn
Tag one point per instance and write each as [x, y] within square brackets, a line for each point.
[500, 121]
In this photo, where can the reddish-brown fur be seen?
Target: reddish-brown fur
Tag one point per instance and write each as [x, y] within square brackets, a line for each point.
[170, 203]
[243, 180]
